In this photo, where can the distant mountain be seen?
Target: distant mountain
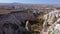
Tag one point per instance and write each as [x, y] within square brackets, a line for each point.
[34, 6]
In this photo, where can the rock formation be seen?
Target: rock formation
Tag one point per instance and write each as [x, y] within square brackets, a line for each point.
[14, 23]
[50, 19]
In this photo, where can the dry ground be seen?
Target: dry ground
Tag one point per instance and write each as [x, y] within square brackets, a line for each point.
[4, 11]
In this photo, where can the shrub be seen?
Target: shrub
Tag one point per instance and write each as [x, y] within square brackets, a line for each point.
[41, 20]
[35, 26]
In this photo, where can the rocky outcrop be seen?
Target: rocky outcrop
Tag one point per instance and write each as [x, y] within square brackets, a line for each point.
[50, 19]
[14, 23]
[54, 28]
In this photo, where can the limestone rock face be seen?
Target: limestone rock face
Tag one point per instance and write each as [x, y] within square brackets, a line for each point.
[52, 22]
[55, 28]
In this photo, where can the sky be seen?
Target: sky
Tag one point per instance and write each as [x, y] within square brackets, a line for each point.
[32, 1]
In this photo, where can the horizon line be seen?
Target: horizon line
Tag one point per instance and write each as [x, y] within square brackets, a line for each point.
[31, 3]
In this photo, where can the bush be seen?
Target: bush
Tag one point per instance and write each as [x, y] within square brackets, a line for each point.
[35, 26]
[41, 20]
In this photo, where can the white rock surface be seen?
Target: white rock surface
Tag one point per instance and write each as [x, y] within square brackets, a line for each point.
[52, 19]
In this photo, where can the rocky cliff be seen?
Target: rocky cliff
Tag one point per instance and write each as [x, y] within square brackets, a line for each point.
[51, 21]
